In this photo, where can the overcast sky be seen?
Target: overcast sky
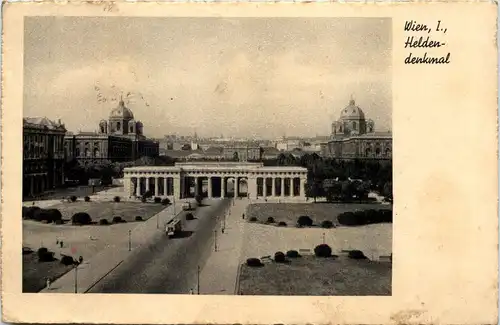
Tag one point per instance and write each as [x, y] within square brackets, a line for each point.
[236, 76]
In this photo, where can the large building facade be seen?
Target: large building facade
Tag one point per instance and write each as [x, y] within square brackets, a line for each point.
[221, 180]
[43, 155]
[119, 139]
[354, 137]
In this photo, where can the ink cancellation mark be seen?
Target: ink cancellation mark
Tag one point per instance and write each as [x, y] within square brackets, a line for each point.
[421, 42]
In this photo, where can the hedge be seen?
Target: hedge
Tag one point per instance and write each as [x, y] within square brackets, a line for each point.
[157, 199]
[323, 250]
[81, 218]
[365, 217]
[292, 254]
[357, 255]
[327, 224]
[117, 199]
[304, 221]
[47, 215]
[139, 218]
[270, 220]
[253, 219]
[104, 222]
[44, 255]
[282, 224]
[67, 260]
[254, 262]
[189, 216]
[165, 201]
[87, 199]
[279, 257]
[73, 198]
[117, 219]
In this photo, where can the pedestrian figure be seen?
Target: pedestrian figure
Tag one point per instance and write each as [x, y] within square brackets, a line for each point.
[33, 203]
[243, 216]
[57, 241]
[61, 244]
[48, 284]
[222, 230]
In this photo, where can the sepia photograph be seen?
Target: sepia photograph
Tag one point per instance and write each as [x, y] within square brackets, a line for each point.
[207, 156]
[249, 163]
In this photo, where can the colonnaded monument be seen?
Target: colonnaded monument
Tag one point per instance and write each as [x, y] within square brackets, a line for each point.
[219, 179]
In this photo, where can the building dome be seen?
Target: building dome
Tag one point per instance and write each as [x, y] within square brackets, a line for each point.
[352, 111]
[121, 112]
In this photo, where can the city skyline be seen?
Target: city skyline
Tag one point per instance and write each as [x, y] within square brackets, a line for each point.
[243, 77]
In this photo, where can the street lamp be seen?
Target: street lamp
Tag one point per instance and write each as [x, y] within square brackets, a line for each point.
[129, 240]
[323, 238]
[198, 282]
[77, 263]
[215, 242]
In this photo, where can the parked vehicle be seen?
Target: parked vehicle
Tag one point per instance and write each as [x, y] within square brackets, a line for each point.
[173, 227]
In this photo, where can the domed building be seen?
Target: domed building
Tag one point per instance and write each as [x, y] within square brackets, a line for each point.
[120, 138]
[353, 136]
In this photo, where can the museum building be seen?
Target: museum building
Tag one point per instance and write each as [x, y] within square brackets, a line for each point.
[119, 139]
[43, 155]
[354, 137]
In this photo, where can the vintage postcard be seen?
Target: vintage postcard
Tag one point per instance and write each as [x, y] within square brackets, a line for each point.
[249, 163]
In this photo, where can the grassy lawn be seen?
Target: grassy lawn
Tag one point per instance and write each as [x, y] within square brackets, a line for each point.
[35, 273]
[107, 210]
[309, 275]
[290, 212]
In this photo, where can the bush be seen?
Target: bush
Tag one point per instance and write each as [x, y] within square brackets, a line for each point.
[253, 219]
[304, 221]
[73, 198]
[292, 254]
[357, 255]
[29, 212]
[138, 218]
[67, 260]
[104, 222]
[254, 262]
[165, 201]
[117, 220]
[157, 199]
[87, 199]
[189, 216]
[44, 255]
[327, 224]
[365, 217]
[48, 216]
[270, 220]
[116, 199]
[323, 250]
[347, 219]
[282, 224]
[81, 218]
[279, 257]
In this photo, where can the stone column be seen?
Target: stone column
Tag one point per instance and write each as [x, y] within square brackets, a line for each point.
[264, 186]
[236, 186]
[223, 187]
[209, 186]
[147, 183]
[138, 187]
[196, 185]
[157, 188]
[177, 186]
[274, 186]
[282, 186]
[302, 186]
[165, 186]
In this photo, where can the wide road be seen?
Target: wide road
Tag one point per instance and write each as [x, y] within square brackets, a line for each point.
[168, 265]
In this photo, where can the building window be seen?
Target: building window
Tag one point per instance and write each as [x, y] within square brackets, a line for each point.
[354, 126]
[118, 126]
[87, 152]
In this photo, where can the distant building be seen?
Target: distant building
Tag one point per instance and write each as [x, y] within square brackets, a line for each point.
[43, 155]
[120, 138]
[353, 136]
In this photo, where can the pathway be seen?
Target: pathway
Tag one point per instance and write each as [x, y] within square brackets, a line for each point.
[219, 275]
[93, 270]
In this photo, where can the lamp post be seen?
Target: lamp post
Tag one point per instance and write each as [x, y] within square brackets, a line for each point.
[157, 221]
[198, 282]
[129, 240]
[324, 238]
[76, 277]
[215, 242]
